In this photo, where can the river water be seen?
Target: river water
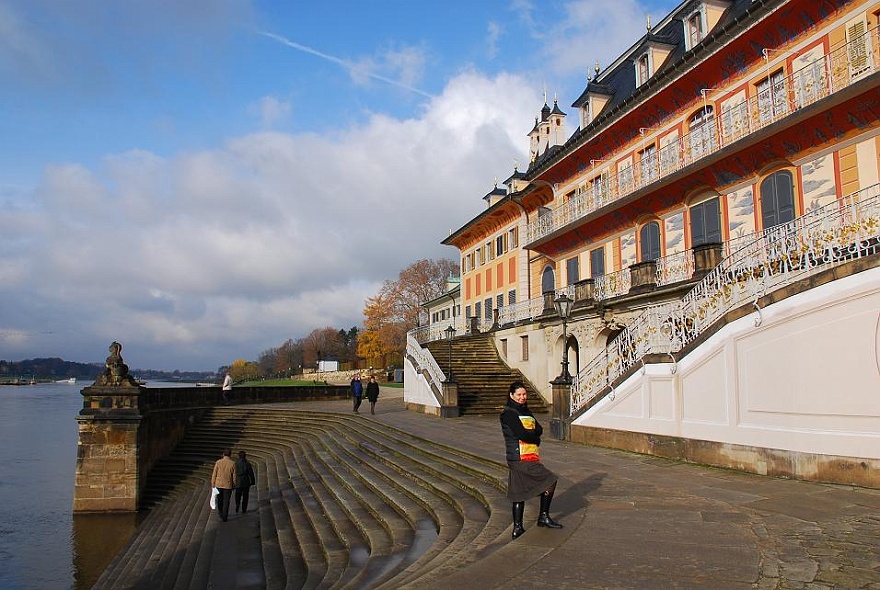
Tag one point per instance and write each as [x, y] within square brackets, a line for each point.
[42, 546]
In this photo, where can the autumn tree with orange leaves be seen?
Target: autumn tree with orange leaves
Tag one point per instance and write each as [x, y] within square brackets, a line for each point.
[394, 310]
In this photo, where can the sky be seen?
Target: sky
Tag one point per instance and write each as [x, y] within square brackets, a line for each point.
[202, 180]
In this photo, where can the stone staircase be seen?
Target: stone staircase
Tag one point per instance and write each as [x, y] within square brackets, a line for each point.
[482, 377]
[340, 502]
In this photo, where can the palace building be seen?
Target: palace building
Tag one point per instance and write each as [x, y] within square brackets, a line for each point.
[708, 230]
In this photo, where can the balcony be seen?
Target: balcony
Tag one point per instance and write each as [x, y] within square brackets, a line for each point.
[782, 97]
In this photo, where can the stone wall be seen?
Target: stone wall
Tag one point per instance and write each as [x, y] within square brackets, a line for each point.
[125, 431]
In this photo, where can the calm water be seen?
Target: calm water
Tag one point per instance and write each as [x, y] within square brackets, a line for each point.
[42, 547]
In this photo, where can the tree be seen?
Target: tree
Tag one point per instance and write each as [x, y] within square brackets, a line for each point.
[392, 312]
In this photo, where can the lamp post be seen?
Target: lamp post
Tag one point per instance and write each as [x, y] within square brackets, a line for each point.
[449, 332]
[563, 308]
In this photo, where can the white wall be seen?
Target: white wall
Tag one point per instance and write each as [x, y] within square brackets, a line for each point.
[806, 380]
[415, 387]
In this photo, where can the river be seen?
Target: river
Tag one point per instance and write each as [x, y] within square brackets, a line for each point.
[42, 546]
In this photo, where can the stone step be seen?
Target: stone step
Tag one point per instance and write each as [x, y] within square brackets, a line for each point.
[343, 501]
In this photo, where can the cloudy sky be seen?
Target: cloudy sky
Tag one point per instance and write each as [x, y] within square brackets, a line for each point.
[204, 179]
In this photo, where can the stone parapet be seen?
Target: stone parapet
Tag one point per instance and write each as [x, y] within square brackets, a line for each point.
[125, 430]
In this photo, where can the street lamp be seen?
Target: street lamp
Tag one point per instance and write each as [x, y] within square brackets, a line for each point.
[450, 334]
[563, 308]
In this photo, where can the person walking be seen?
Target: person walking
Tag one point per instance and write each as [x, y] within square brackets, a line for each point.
[244, 479]
[223, 478]
[227, 387]
[357, 391]
[528, 477]
[372, 393]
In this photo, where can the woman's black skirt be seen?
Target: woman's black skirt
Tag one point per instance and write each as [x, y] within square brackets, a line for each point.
[527, 479]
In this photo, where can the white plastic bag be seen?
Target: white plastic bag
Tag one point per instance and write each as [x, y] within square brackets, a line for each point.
[213, 499]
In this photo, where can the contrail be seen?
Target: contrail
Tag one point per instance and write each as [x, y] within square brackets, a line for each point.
[341, 62]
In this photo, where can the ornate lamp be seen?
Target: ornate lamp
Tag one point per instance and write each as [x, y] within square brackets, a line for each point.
[449, 332]
[563, 308]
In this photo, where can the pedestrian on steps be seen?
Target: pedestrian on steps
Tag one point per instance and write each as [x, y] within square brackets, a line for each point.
[357, 391]
[244, 479]
[223, 478]
[372, 393]
[527, 477]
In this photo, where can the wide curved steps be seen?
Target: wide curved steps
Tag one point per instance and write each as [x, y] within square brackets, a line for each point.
[341, 502]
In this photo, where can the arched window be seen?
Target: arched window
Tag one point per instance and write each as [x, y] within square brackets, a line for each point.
[777, 199]
[548, 280]
[649, 241]
[706, 222]
[701, 132]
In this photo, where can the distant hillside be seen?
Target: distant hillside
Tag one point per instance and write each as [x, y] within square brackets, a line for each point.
[55, 368]
[51, 368]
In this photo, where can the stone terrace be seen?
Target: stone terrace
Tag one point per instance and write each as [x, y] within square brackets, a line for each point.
[404, 500]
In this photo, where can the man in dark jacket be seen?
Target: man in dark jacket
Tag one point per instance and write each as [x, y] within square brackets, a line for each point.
[244, 479]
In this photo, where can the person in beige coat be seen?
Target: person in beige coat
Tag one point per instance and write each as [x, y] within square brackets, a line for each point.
[223, 478]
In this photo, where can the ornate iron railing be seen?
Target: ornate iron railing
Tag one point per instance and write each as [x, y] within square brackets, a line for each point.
[783, 96]
[824, 237]
[675, 267]
[423, 360]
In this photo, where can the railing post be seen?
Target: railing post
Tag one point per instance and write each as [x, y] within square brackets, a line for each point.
[449, 404]
[583, 290]
[559, 427]
[706, 258]
[643, 276]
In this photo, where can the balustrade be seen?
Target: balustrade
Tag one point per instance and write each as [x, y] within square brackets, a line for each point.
[828, 236]
[784, 96]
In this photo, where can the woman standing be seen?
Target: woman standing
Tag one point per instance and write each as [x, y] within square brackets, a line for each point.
[528, 477]
[372, 393]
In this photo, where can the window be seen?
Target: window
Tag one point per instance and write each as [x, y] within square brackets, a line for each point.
[487, 308]
[524, 344]
[644, 70]
[512, 235]
[548, 280]
[499, 301]
[649, 240]
[499, 245]
[597, 262]
[771, 97]
[858, 47]
[648, 164]
[599, 188]
[694, 29]
[706, 223]
[777, 199]
[701, 127]
[571, 270]
[511, 297]
[625, 178]
[477, 309]
[467, 311]
[504, 348]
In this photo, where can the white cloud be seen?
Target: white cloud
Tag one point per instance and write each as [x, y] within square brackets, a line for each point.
[270, 110]
[199, 258]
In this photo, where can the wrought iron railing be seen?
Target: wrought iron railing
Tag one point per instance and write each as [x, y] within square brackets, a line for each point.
[824, 76]
[824, 237]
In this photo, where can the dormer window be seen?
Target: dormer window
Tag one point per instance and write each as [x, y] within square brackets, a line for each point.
[695, 30]
[643, 69]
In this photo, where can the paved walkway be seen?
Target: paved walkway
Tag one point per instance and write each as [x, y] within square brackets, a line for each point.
[634, 521]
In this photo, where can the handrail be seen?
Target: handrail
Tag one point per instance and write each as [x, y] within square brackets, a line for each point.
[423, 360]
[823, 237]
[824, 76]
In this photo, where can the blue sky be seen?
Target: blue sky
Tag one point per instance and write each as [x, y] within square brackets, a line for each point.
[203, 179]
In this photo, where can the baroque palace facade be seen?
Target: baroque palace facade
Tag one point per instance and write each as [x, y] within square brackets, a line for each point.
[714, 218]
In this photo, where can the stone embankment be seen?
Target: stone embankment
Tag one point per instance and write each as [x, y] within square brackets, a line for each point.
[340, 502]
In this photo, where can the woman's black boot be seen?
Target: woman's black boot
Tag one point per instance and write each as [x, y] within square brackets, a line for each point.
[544, 516]
[518, 509]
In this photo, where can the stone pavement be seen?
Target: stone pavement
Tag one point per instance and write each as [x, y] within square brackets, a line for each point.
[635, 521]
